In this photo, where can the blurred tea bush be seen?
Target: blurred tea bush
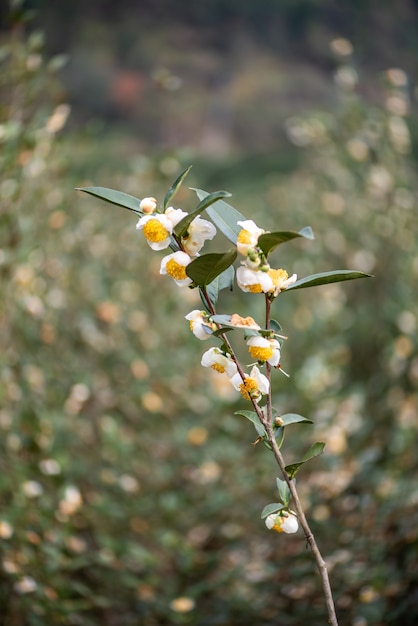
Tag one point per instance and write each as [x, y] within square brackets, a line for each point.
[129, 493]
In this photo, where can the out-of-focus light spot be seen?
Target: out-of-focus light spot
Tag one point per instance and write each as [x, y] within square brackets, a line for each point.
[358, 149]
[182, 605]
[152, 402]
[197, 436]
[139, 369]
[6, 530]
[397, 77]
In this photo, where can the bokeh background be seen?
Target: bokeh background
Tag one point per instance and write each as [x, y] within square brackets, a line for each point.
[130, 493]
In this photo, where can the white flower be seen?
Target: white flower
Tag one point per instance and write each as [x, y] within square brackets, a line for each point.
[264, 349]
[283, 522]
[199, 324]
[174, 215]
[175, 266]
[248, 236]
[199, 231]
[254, 281]
[243, 322]
[254, 385]
[157, 230]
[218, 361]
[281, 280]
[148, 205]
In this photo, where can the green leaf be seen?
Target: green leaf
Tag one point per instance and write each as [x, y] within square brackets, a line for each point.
[181, 229]
[221, 331]
[325, 278]
[175, 187]
[225, 280]
[269, 241]
[315, 450]
[274, 507]
[253, 417]
[204, 269]
[293, 469]
[284, 491]
[293, 418]
[222, 319]
[275, 326]
[279, 436]
[224, 216]
[114, 197]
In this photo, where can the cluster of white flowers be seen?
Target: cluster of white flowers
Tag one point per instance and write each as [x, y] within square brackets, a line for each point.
[252, 386]
[158, 230]
[254, 274]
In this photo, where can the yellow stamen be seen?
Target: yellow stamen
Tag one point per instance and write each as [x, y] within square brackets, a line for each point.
[218, 368]
[176, 271]
[259, 353]
[154, 231]
[244, 236]
[256, 288]
[278, 276]
[278, 525]
[248, 387]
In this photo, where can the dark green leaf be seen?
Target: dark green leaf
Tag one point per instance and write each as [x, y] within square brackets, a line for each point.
[293, 469]
[221, 331]
[325, 278]
[253, 417]
[293, 418]
[224, 216]
[315, 450]
[114, 197]
[269, 241]
[279, 436]
[204, 269]
[175, 187]
[284, 491]
[225, 280]
[274, 507]
[275, 326]
[182, 227]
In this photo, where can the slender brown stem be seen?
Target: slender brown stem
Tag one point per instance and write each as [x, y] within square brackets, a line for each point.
[321, 565]
[265, 418]
[269, 406]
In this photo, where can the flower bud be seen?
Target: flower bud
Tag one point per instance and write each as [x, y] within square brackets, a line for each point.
[148, 205]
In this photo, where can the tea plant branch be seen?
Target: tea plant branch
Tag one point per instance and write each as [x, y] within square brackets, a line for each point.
[186, 233]
[266, 419]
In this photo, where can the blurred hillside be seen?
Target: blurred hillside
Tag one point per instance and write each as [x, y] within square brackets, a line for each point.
[217, 77]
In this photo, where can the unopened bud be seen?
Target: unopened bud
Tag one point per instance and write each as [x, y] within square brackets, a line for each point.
[148, 205]
[278, 422]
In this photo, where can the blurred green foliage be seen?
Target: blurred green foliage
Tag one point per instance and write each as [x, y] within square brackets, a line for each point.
[129, 493]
